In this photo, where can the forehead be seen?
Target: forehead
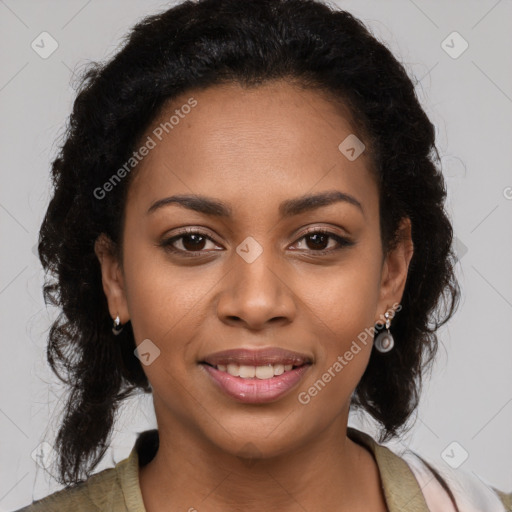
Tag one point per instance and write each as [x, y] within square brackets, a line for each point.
[269, 142]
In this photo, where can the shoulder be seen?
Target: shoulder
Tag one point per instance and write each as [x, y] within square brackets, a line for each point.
[425, 486]
[469, 491]
[96, 493]
[114, 489]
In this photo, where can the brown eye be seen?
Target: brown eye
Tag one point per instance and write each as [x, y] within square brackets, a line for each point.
[188, 242]
[318, 241]
[323, 242]
[193, 242]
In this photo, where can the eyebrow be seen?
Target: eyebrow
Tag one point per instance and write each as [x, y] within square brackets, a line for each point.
[288, 208]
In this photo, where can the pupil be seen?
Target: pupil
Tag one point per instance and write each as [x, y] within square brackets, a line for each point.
[195, 245]
[316, 236]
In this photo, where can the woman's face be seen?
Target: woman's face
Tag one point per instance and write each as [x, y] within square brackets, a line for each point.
[262, 172]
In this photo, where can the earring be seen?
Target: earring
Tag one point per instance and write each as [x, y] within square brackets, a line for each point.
[384, 342]
[116, 329]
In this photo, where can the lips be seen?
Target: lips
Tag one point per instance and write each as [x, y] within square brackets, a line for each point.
[256, 376]
[260, 357]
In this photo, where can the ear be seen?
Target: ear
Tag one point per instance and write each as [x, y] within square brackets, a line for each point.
[112, 278]
[394, 270]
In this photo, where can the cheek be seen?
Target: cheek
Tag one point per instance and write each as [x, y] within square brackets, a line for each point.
[343, 307]
[346, 298]
[158, 296]
[158, 293]
[343, 352]
[163, 309]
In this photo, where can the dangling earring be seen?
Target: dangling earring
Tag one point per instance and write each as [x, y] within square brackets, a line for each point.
[384, 342]
[116, 329]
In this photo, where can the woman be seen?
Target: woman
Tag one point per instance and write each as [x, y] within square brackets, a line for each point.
[246, 220]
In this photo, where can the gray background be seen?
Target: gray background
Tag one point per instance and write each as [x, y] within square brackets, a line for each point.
[469, 99]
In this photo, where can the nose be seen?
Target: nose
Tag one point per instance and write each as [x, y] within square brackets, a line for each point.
[256, 294]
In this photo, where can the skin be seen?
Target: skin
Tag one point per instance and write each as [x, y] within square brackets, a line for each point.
[253, 149]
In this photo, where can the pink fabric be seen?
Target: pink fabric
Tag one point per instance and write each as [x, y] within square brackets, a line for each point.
[470, 493]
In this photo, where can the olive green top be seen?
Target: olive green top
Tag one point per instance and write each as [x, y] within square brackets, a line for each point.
[117, 489]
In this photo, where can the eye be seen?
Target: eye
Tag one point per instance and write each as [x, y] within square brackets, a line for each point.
[192, 242]
[189, 241]
[317, 241]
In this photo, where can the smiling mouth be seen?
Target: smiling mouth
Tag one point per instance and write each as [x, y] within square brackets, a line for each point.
[263, 372]
[256, 376]
[262, 364]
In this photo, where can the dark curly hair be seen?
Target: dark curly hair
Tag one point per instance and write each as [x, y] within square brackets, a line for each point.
[195, 45]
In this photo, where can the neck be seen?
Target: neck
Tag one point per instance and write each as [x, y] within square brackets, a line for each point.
[328, 472]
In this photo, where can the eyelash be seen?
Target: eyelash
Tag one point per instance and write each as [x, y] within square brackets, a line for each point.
[167, 243]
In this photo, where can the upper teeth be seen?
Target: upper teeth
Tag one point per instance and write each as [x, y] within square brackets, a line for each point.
[260, 372]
